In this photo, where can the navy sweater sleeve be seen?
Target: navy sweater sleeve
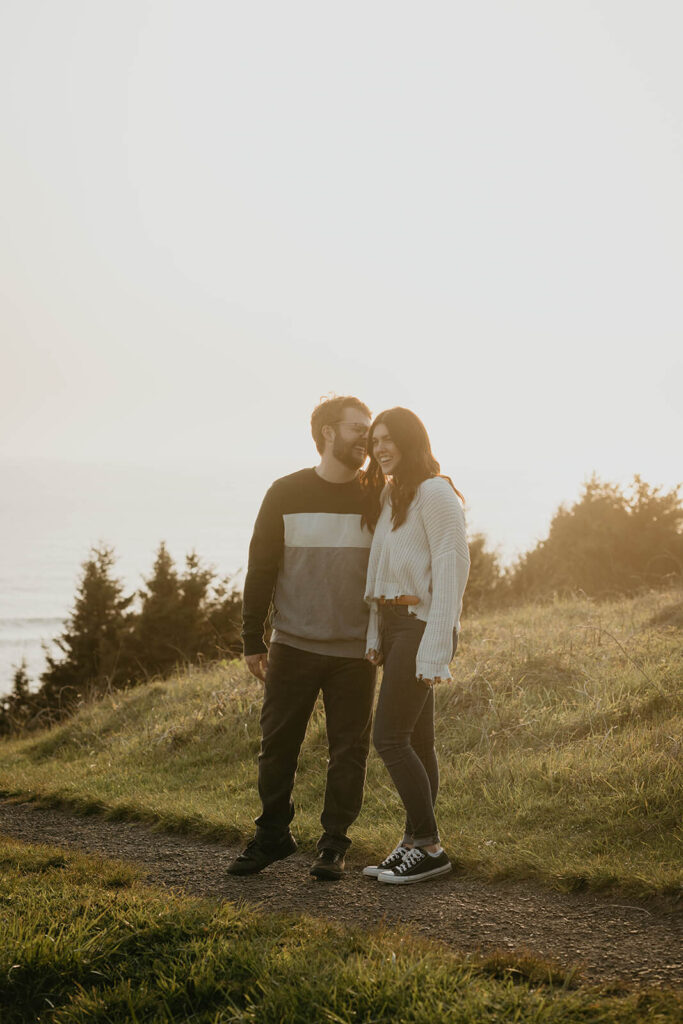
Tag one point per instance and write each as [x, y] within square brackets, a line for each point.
[265, 555]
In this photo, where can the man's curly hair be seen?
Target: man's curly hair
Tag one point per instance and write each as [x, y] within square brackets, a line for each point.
[329, 411]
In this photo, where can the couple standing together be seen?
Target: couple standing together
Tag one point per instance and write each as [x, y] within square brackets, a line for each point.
[361, 569]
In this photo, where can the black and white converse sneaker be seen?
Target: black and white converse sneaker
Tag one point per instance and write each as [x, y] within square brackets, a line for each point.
[389, 862]
[416, 866]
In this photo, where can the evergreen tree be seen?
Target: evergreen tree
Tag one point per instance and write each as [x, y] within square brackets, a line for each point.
[224, 619]
[182, 618]
[185, 617]
[95, 644]
[213, 612]
[195, 585]
[159, 628]
[16, 707]
[21, 683]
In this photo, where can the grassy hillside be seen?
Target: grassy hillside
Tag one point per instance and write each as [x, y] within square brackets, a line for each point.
[559, 744]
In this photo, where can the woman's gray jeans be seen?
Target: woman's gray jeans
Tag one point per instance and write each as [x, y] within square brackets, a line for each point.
[403, 732]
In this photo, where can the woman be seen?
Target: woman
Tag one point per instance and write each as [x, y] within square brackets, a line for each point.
[419, 562]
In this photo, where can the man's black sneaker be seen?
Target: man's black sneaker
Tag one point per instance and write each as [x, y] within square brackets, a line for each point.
[329, 865]
[417, 866]
[255, 856]
[389, 862]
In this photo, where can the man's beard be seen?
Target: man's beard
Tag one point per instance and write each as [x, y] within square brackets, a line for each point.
[344, 453]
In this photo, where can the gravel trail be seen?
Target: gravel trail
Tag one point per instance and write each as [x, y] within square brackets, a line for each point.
[611, 938]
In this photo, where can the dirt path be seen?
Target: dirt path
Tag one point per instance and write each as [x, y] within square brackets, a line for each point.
[612, 939]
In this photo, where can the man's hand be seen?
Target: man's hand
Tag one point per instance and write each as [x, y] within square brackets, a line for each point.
[374, 656]
[257, 665]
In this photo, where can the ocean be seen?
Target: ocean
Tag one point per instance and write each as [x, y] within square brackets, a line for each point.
[51, 514]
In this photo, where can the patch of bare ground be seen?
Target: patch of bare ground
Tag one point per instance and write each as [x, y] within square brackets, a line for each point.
[606, 939]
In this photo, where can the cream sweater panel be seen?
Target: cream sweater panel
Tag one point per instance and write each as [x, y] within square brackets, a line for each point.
[426, 556]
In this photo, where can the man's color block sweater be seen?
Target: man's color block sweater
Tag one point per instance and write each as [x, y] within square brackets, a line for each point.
[308, 556]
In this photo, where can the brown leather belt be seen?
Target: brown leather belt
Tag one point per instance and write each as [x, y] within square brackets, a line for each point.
[403, 599]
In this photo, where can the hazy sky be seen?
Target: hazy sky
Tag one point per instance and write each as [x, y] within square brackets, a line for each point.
[213, 213]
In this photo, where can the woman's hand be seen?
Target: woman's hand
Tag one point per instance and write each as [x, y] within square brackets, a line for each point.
[374, 656]
[430, 682]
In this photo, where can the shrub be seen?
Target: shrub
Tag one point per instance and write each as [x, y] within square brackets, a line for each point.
[487, 583]
[609, 542]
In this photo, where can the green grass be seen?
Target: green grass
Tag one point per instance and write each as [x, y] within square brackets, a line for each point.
[559, 745]
[86, 940]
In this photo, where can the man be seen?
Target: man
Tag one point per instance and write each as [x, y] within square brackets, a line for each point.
[308, 556]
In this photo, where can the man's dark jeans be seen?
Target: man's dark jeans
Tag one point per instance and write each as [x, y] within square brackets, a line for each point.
[404, 724]
[293, 680]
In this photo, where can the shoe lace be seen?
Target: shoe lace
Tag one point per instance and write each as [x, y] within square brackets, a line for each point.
[411, 858]
[397, 854]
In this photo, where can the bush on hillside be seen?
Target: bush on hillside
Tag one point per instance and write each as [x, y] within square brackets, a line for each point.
[486, 583]
[609, 542]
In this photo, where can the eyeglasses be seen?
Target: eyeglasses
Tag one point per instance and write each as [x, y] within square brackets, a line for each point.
[359, 429]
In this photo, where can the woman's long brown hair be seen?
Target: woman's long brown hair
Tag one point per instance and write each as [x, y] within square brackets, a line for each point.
[417, 463]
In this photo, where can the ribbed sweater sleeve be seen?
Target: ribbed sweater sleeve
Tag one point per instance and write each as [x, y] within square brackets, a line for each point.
[444, 523]
[374, 635]
[265, 554]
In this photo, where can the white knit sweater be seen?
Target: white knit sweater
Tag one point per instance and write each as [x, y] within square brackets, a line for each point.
[427, 556]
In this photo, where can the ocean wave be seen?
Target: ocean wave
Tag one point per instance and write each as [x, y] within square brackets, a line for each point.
[30, 622]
